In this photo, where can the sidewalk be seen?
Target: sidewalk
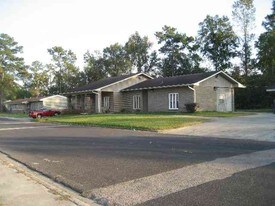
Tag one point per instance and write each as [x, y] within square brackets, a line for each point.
[21, 186]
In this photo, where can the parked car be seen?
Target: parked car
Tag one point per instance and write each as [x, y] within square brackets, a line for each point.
[44, 112]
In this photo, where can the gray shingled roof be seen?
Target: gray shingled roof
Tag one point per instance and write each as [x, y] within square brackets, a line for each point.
[27, 100]
[170, 81]
[100, 83]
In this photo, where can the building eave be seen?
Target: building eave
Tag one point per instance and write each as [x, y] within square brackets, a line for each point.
[138, 74]
[158, 87]
[108, 85]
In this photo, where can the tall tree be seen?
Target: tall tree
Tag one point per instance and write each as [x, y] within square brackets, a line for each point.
[38, 83]
[116, 61]
[244, 16]
[94, 68]
[65, 72]
[266, 47]
[138, 51]
[217, 41]
[178, 51]
[11, 67]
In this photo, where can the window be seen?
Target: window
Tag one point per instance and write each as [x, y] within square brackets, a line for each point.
[174, 101]
[106, 102]
[136, 102]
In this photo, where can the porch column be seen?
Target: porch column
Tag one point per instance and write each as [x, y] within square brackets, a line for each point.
[98, 102]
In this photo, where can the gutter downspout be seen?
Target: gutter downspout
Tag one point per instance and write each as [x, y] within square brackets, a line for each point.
[233, 99]
[195, 96]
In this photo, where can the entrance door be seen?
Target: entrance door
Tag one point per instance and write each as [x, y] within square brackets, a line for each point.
[224, 100]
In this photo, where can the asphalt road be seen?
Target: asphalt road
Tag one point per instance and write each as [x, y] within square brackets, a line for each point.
[86, 158]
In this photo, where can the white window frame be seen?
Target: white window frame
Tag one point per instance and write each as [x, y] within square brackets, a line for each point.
[106, 102]
[173, 101]
[136, 101]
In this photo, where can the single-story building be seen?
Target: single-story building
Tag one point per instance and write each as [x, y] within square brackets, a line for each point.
[213, 91]
[25, 105]
[104, 95]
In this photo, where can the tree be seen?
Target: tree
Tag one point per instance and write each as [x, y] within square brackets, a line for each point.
[217, 41]
[94, 68]
[11, 67]
[38, 83]
[244, 16]
[115, 60]
[64, 70]
[178, 51]
[269, 23]
[266, 48]
[152, 66]
[138, 51]
[22, 92]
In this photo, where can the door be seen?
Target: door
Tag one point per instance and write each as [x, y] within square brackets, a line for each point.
[224, 100]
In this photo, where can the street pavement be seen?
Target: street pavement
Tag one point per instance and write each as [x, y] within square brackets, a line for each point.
[94, 161]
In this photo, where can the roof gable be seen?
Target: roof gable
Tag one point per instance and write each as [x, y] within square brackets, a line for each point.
[54, 96]
[181, 80]
[174, 81]
[225, 76]
[97, 85]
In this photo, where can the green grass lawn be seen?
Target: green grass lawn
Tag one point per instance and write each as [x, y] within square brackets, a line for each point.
[151, 122]
[16, 115]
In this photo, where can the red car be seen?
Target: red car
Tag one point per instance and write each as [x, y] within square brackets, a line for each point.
[43, 113]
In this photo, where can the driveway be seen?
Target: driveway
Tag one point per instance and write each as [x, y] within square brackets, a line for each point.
[260, 127]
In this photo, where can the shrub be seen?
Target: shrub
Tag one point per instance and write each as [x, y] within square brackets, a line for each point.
[123, 110]
[253, 97]
[191, 107]
[137, 111]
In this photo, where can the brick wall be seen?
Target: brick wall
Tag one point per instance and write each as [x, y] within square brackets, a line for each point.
[206, 92]
[158, 100]
[128, 100]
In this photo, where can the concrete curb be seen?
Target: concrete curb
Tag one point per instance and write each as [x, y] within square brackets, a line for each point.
[18, 118]
[61, 190]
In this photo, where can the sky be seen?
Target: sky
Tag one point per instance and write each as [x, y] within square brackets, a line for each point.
[82, 25]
